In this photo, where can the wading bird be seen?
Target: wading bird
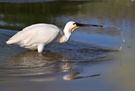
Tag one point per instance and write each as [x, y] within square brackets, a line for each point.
[36, 36]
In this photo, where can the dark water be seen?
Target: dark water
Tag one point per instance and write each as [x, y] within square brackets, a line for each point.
[95, 59]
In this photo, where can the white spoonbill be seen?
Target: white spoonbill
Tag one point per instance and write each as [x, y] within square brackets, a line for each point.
[36, 36]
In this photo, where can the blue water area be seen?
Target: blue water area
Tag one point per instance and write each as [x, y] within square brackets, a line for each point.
[94, 59]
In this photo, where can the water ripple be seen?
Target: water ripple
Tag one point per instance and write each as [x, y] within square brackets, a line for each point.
[56, 58]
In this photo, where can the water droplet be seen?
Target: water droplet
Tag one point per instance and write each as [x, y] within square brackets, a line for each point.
[120, 47]
[124, 40]
[118, 30]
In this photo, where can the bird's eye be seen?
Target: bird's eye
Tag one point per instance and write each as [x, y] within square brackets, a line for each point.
[73, 23]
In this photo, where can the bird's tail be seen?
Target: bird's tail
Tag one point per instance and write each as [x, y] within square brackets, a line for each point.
[9, 42]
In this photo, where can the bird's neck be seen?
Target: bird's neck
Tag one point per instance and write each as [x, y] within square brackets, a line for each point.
[66, 35]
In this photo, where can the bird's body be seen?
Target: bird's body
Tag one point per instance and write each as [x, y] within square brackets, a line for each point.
[35, 36]
[38, 35]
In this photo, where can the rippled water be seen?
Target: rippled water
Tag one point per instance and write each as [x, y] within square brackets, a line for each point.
[94, 57]
[54, 57]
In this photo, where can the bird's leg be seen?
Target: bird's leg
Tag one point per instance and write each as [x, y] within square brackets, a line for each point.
[40, 48]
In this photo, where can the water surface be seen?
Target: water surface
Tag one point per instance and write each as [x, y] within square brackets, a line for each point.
[91, 60]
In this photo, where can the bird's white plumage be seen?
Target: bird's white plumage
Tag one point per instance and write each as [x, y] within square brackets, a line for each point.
[38, 35]
[31, 36]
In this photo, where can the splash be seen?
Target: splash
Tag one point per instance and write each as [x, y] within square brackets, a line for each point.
[117, 30]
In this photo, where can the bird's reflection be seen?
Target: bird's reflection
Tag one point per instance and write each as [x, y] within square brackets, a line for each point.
[66, 67]
[65, 76]
[34, 59]
[58, 59]
[33, 63]
[76, 76]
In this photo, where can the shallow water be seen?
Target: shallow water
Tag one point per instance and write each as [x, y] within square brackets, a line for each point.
[94, 59]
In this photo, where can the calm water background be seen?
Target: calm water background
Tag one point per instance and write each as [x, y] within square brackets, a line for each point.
[21, 69]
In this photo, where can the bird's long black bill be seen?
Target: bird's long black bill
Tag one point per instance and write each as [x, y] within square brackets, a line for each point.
[89, 25]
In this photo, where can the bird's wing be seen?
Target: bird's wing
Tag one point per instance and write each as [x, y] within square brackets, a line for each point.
[35, 34]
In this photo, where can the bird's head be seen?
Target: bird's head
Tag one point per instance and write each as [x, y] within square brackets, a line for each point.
[71, 26]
